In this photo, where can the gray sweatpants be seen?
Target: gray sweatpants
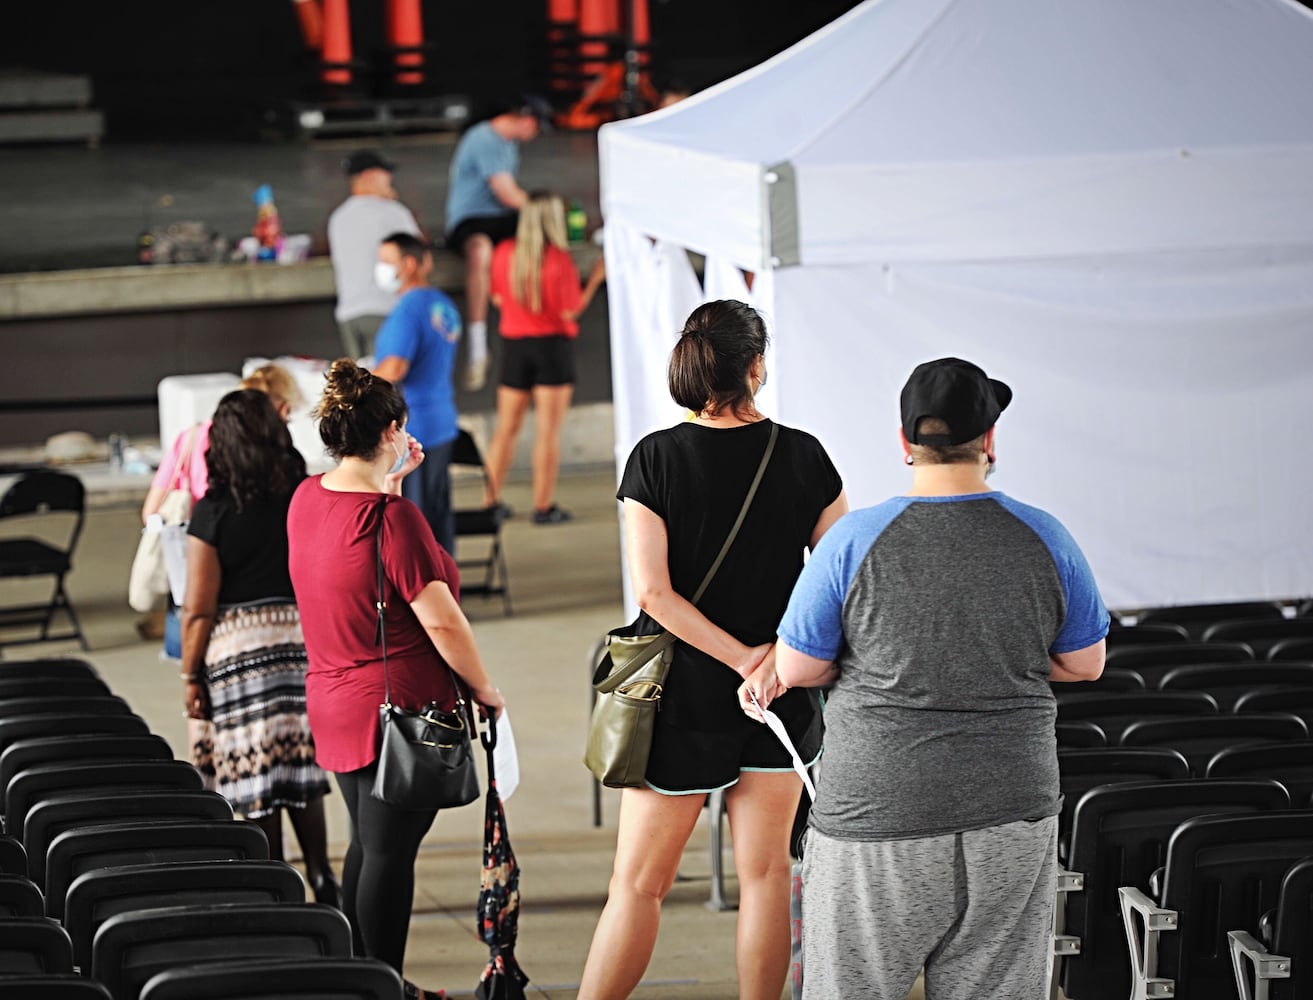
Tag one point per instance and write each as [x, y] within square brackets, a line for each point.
[975, 909]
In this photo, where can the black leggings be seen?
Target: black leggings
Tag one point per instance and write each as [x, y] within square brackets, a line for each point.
[378, 876]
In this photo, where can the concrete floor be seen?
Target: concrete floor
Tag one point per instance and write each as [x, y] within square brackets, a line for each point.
[565, 583]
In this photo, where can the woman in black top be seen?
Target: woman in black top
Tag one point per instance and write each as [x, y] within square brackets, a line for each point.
[243, 658]
[682, 490]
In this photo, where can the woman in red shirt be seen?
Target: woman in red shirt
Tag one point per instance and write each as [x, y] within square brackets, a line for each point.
[535, 285]
[332, 556]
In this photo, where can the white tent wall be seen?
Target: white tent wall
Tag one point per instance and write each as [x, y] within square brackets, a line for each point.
[1104, 204]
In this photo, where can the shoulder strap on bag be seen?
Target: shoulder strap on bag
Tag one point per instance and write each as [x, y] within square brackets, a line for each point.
[182, 471]
[667, 637]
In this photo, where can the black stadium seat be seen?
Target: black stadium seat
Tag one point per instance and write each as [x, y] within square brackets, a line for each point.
[1298, 648]
[1080, 735]
[33, 945]
[53, 688]
[23, 754]
[1081, 770]
[312, 979]
[1195, 618]
[80, 705]
[1115, 711]
[1143, 635]
[1287, 957]
[1109, 681]
[62, 666]
[1199, 739]
[72, 723]
[1290, 763]
[1296, 700]
[52, 987]
[19, 897]
[13, 858]
[1260, 634]
[1154, 661]
[1227, 682]
[29, 787]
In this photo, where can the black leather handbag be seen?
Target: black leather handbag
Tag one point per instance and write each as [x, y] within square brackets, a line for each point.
[425, 757]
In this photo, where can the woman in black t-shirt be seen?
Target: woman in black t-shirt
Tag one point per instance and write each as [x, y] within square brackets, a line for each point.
[243, 658]
[682, 490]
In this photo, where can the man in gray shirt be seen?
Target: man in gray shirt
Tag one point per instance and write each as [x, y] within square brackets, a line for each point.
[939, 618]
[355, 230]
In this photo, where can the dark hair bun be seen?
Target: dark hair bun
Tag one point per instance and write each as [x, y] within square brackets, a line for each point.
[346, 385]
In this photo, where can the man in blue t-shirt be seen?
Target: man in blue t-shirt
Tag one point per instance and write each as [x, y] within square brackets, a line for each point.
[416, 349]
[939, 618]
[483, 203]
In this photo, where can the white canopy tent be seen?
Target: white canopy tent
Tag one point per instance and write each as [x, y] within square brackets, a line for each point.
[1106, 205]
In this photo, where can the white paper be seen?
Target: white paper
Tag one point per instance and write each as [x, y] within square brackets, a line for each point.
[505, 760]
[774, 724]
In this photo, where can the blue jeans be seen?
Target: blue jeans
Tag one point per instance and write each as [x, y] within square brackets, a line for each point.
[429, 488]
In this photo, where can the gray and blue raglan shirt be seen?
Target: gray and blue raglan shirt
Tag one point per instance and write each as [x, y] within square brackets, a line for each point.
[941, 613]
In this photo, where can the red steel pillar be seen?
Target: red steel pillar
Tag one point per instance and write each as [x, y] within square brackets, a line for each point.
[406, 34]
[337, 42]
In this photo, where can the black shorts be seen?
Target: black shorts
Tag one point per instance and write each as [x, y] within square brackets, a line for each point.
[495, 227]
[530, 361]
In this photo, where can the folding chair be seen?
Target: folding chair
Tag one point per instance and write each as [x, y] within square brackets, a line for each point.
[1114, 712]
[1079, 735]
[1259, 633]
[19, 897]
[132, 948]
[1290, 763]
[33, 945]
[83, 849]
[13, 858]
[35, 497]
[480, 522]
[1227, 682]
[1109, 681]
[50, 723]
[1283, 964]
[1222, 872]
[1119, 838]
[52, 816]
[1195, 618]
[52, 987]
[312, 979]
[1200, 738]
[1154, 661]
[102, 748]
[28, 787]
[97, 895]
[1144, 635]
[1296, 648]
[62, 666]
[1296, 700]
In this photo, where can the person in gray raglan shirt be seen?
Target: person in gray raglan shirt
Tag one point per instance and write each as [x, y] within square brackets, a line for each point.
[939, 618]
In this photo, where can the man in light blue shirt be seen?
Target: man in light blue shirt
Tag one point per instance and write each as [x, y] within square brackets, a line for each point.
[483, 203]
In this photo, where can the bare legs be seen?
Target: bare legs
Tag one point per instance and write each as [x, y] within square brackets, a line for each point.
[550, 403]
[478, 265]
[654, 830]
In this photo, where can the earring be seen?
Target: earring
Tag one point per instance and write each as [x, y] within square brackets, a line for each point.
[907, 459]
[989, 458]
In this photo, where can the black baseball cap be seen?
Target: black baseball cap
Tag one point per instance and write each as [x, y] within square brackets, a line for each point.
[537, 106]
[956, 392]
[366, 159]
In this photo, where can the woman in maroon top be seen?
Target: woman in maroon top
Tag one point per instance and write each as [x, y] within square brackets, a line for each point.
[331, 529]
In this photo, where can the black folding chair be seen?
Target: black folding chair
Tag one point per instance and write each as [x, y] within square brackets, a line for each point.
[1195, 618]
[97, 895]
[31, 945]
[55, 666]
[289, 979]
[1260, 634]
[1154, 661]
[51, 723]
[19, 897]
[1080, 735]
[38, 497]
[28, 787]
[52, 816]
[1144, 635]
[54, 688]
[23, 754]
[132, 948]
[13, 859]
[1114, 712]
[1290, 763]
[78, 851]
[1119, 838]
[1227, 682]
[1291, 649]
[52, 987]
[1110, 681]
[1222, 873]
[1283, 963]
[1200, 738]
[480, 522]
[1296, 700]
[79, 705]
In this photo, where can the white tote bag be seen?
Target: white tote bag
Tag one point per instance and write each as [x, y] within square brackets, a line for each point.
[152, 574]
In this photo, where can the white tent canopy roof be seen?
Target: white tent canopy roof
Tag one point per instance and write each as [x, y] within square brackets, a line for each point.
[949, 130]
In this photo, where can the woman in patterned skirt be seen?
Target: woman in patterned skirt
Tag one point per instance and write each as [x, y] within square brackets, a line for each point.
[243, 658]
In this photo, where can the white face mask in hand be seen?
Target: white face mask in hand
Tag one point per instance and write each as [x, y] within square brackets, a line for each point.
[386, 276]
[401, 458]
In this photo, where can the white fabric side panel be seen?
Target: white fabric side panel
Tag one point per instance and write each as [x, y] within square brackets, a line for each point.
[1055, 207]
[1161, 405]
[671, 193]
[721, 279]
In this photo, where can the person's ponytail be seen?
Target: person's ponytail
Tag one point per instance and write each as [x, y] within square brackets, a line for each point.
[710, 363]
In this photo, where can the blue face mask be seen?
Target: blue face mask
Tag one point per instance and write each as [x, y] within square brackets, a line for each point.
[401, 459]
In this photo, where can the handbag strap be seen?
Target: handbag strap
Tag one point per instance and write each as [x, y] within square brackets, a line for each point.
[182, 471]
[667, 637]
[380, 629]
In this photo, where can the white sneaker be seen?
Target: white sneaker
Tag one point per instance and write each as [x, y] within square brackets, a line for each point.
[476, 374]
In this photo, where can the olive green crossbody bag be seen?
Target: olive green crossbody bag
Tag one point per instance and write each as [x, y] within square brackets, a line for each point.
[631, 674]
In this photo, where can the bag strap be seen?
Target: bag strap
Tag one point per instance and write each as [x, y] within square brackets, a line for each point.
[182, 471]
[667, 639]
[380, 629]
